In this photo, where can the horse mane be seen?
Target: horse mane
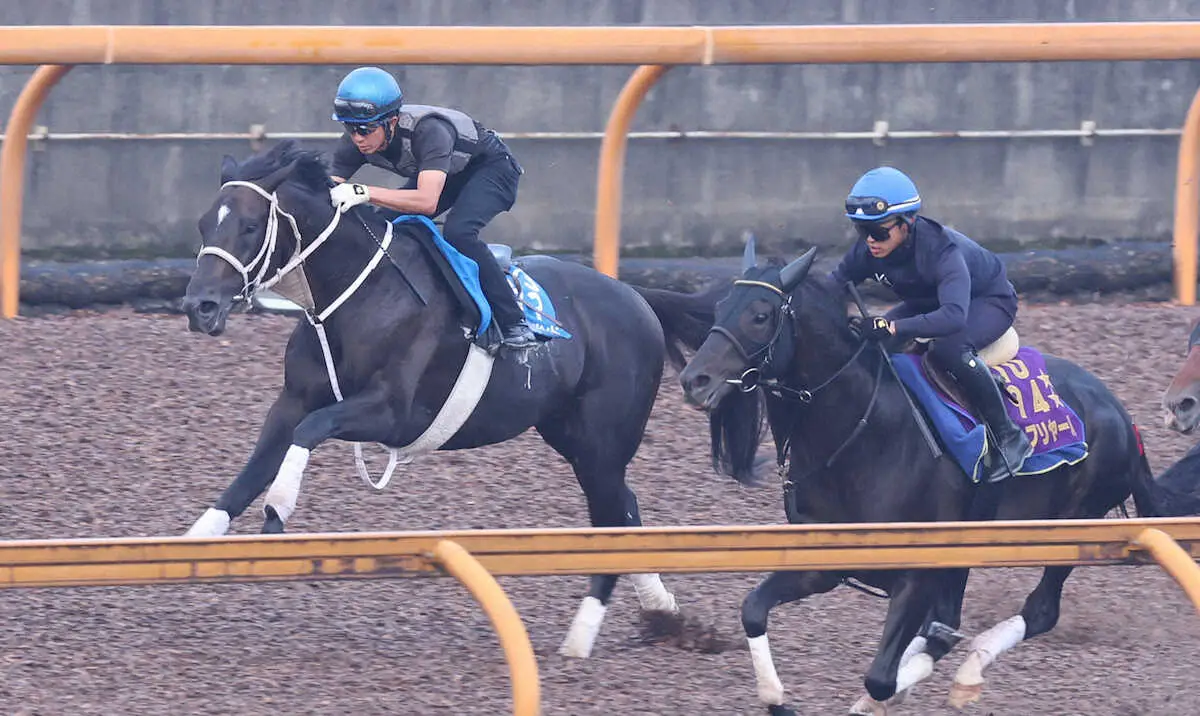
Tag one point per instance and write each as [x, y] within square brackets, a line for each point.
[311, 172]
[821, 296]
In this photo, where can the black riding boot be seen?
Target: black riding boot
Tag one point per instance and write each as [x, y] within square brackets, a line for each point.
[506, 312]
[1010, 442]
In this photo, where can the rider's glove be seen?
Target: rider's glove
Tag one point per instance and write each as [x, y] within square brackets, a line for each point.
[872, 328]
[346, 195]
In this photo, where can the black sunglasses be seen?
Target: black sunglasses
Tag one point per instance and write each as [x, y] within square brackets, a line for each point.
[362, 129]
[875, 230]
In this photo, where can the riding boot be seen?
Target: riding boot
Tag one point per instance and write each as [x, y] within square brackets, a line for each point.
[1009, 442]
[508, 315]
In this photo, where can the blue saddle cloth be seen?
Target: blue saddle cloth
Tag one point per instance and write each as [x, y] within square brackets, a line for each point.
[1055, 430]
[529, 294]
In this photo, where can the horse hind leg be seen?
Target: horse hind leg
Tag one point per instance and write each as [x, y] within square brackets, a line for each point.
[1038, 616]
[599, 464]
[611, 504]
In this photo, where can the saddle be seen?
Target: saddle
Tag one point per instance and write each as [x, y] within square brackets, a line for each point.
[1000, 351]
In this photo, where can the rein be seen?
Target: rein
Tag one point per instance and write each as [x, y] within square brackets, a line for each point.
[751, 379]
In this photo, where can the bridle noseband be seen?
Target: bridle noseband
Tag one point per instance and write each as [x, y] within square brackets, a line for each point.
[262, 260]
[751, 379]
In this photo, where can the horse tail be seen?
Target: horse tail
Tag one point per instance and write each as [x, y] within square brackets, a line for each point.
[1175, 493]
[685, 317]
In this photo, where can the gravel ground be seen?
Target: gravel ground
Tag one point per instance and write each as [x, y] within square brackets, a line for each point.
[123, 424]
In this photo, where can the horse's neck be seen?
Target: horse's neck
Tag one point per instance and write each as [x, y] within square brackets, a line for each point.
[345, 255]
[838, 405]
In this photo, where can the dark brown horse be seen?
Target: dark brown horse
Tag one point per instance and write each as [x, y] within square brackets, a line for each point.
[856, 454]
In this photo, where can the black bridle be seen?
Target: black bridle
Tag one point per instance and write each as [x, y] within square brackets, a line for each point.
[761, 357]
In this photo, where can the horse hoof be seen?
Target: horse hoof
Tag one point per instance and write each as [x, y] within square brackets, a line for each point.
[272, 525]
[867, 706]
[780, 710]
[963, 694]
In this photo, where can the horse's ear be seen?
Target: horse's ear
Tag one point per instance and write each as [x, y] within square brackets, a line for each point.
[749, 260]
[228, 168]
[792, 274]
[272, 181]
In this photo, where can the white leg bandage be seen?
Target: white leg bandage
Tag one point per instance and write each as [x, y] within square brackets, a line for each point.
[770, 688]
[652, 595]
[286, 489]
[913, 672]
[916, 646]
[213, 523]
[584, 629]
[987, 646]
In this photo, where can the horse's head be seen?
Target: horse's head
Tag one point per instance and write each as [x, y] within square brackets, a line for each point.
[245, 234]
[1182, 399]
[748, 339]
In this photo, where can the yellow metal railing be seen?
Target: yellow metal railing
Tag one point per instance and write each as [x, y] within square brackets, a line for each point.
[649, 46]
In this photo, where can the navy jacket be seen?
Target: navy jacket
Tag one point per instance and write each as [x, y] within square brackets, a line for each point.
[937, 272]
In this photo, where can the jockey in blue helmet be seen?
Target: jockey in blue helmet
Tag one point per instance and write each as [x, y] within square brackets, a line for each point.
[452, 163]
[952, 290]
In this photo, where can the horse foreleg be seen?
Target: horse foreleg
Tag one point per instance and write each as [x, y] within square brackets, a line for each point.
[1038, 616]
[365, 417]
[936, 638]
[907, 610]
[778, 588]
[273, 439]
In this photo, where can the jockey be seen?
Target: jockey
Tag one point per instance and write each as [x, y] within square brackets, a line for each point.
[951, 289]
[452, 163]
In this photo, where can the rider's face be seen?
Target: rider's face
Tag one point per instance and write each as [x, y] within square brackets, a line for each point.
[879, 244]
[371, 142]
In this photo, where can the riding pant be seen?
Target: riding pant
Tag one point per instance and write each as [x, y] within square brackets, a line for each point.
[988, 317]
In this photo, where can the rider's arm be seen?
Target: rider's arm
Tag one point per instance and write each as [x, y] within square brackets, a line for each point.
[853, 266]
[432, 145]
[422, 200]
[954, 297]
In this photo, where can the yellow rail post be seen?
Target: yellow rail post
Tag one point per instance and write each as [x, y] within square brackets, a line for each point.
[522, 664]
[12, 180]
[1187, 206]
[1174, 559]
[612, 167]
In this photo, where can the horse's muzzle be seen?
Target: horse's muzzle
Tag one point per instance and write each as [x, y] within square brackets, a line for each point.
[205, 316]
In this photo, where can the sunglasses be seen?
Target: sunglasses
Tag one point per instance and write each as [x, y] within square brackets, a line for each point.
[874, 231]
[361, 129]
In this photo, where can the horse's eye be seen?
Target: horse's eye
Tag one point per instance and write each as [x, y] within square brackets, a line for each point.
[761, 318]
[250, 228]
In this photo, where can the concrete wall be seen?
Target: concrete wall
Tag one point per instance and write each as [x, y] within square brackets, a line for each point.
[97, 198]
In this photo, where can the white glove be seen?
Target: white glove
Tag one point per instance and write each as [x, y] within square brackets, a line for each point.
[346, 195]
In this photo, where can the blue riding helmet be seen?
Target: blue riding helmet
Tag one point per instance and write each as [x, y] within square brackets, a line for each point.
[880, 193]
[366, 95]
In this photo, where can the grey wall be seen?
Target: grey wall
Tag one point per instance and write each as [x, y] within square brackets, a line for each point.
[99, 198]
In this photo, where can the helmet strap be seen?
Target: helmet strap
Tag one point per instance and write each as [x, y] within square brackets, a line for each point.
[389, 130]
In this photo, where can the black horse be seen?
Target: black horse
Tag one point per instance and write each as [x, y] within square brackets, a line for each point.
[857, 454]
[384, 347]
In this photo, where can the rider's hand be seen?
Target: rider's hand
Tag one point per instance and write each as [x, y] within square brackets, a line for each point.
[873, 328]
[346, 195]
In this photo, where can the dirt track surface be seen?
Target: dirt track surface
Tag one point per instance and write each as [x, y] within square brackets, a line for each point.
[120, 424]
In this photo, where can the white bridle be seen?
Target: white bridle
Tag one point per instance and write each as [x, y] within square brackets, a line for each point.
[262, 261]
